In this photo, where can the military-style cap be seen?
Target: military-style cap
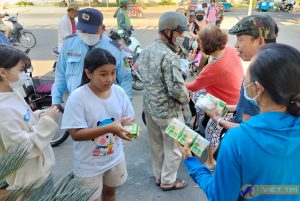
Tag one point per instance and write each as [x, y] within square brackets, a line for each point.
[256, 25]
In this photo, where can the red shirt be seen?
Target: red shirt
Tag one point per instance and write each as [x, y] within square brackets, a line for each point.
[73, 26]
[222, 78]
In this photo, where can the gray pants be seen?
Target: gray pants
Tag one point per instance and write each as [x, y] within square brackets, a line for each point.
[164, 151]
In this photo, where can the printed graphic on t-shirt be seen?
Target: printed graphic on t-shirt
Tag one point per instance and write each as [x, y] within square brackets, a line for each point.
[105, 144]
[26, 116]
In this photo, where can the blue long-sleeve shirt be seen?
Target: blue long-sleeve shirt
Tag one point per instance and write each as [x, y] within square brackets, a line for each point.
[3, 39]
[69, 67]
[259, 157]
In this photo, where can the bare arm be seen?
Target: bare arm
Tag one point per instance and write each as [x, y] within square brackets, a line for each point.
[228, 124]
[83, 134]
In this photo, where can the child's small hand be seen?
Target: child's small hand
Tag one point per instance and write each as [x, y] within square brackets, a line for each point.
[119, 130]
[53, 112]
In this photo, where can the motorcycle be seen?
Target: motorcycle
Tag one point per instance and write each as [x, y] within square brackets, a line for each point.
[37, 93]
[20, 35]
[286, 7]
[132, 47]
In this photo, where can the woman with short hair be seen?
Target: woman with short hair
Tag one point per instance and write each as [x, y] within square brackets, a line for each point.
[221, 77]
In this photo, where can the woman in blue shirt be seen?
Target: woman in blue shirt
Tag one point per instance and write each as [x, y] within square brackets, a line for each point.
[259, 160]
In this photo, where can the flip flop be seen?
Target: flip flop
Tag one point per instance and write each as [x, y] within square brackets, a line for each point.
[175, 186]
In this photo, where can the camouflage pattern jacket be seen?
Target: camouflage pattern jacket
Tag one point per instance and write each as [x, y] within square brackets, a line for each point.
[164, 90]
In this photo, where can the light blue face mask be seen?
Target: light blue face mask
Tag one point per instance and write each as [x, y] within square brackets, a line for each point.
[252, 100]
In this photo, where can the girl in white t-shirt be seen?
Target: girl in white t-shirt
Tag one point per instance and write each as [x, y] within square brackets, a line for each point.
[95, 114]
[20, 126]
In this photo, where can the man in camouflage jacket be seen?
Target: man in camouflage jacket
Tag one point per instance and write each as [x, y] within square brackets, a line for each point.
[164, 97]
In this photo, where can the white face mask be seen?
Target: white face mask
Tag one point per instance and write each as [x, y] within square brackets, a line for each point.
[179, 41]
[90, 39]
[17, 86]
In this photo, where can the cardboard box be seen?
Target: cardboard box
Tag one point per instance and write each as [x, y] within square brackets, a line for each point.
[182, 133]
[134, 129]
[208, 102]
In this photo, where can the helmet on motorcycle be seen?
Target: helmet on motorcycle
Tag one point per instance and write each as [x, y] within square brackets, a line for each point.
[173, 21]
[199, 10]
[123, 2]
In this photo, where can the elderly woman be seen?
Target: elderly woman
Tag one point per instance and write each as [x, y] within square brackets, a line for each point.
[262, 154]
[222, 78]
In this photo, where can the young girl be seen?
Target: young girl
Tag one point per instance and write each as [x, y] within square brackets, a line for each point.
[95, 114]
[19, 125]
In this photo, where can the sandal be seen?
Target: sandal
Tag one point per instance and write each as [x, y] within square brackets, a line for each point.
[178, 184]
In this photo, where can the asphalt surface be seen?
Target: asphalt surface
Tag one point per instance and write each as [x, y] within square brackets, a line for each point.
[140, 185]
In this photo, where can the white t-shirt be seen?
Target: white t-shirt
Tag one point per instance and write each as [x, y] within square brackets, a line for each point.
[86, 110]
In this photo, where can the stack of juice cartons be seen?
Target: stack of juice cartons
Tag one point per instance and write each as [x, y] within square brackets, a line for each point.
[182, 133]
[208, 102]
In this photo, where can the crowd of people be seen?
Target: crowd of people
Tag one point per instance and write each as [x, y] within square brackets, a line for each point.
[261, 143]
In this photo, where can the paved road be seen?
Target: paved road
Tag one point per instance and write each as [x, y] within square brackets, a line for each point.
[140, 184]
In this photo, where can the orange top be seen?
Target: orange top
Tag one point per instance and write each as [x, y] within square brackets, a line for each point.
[222, 78]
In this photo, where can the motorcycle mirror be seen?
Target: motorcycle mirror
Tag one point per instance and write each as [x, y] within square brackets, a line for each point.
[27, 51]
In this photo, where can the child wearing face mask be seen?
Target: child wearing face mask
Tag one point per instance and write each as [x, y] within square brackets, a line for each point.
[195, 27]
[22, 127]
[197, 24]
[95, 114]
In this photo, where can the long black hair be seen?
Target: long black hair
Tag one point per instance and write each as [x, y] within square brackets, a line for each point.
[10, 57]
[277, 68]
[94, 59]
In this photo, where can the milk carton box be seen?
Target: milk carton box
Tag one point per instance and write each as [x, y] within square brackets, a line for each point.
[134, 129]
[199, 145]
[186, 135]
[174, 128]
[208, 102]
[183, 134]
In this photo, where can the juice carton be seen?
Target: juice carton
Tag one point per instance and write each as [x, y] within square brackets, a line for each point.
[174, 128]
[199, 145]
[186, 135]
[182, 133]
[208, 102]
[134, 129]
